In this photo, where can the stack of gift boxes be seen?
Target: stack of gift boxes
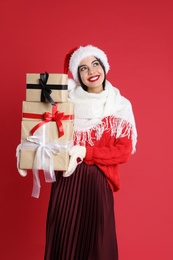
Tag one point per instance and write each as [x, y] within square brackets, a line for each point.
[46, 127]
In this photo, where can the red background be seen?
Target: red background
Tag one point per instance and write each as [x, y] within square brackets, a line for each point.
[137, 37]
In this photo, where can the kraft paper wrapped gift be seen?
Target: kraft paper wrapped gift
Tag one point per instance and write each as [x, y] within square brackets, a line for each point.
[40, 108]
[44, 150]
[37, 87]
[59, 118]
[46, 139]
[27, 156]
[49, 131]
[37, 155]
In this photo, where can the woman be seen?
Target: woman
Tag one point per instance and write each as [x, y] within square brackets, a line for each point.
[80, 221]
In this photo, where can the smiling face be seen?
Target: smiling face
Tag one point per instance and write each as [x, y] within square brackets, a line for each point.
[92, 74]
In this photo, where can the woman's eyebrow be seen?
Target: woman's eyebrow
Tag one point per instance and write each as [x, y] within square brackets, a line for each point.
[81, 66]
[86, 65]
[93, 61]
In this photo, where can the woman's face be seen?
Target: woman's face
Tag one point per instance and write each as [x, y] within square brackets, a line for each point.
[92, 74]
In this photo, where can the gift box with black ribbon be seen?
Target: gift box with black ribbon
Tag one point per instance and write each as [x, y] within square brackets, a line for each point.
[47, 87]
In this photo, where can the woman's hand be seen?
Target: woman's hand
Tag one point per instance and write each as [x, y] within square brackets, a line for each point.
[75, 152]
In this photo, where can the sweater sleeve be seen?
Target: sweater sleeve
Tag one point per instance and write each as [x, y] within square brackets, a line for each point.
[117, 152]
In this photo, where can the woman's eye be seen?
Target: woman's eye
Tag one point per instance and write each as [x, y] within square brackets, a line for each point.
[83, 68]
[96, 63]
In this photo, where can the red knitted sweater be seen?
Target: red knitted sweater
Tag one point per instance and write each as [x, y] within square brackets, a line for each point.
[107, 153]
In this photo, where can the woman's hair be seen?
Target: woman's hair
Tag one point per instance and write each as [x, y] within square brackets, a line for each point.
[83, 85]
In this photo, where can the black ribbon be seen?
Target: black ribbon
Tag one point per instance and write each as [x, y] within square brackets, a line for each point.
[51, 86]
[46, 91]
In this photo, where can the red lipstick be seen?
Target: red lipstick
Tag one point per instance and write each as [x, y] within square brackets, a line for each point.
[93, 78]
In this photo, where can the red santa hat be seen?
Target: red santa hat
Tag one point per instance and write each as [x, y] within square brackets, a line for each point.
[76, 55]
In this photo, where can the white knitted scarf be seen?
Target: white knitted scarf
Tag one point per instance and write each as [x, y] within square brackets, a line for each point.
[91, 108]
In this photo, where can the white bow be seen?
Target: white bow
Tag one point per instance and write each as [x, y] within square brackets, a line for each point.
[43, 159]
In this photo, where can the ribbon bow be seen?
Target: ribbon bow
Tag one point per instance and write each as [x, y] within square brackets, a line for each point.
[46, 91]
[56, 116]
[43, 159]
[43, 156]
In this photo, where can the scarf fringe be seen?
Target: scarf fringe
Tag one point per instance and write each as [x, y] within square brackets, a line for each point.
[117, 127]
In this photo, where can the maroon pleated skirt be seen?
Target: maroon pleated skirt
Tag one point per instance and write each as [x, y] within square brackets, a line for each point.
[80, 220]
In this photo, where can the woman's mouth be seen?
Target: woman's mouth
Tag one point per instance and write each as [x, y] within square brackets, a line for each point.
[94, 78]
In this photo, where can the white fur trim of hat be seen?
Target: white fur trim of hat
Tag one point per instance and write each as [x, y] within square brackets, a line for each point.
[71, 84]
[83, 52]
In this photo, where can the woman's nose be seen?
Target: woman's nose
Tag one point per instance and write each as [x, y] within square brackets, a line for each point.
[91, 71]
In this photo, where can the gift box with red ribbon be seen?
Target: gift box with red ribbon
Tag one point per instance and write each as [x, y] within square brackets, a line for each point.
[46, 137]
[58, 118]
[49, 130]
[46, 87]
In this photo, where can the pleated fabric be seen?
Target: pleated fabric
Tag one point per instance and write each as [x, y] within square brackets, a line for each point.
[80, 220]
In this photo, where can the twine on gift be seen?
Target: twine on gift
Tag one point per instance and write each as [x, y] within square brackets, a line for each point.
[45, 90]
[56, 116]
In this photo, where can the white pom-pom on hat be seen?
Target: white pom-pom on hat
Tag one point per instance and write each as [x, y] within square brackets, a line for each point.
[78, 54]
[71, 84]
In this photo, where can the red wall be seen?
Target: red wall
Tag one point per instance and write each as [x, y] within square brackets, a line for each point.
[137, 36]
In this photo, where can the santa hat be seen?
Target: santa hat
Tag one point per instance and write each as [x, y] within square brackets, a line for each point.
[76, 55]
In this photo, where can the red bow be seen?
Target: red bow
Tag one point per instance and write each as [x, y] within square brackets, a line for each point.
[56, 116]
